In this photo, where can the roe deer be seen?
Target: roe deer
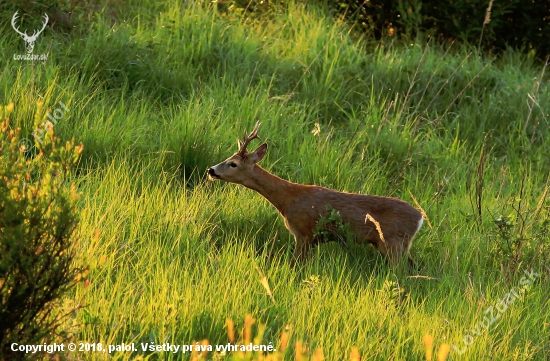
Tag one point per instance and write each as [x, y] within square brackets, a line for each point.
[303, 205]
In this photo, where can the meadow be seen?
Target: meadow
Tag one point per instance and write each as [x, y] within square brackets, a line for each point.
[158, 91]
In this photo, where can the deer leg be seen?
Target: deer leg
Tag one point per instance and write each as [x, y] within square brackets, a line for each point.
[412, 263]
[303, 244]
[393, 251]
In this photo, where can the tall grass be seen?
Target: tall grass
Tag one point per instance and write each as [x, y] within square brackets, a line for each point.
[159, 92]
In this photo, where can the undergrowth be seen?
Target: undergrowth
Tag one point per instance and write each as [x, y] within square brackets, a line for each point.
[158, 91]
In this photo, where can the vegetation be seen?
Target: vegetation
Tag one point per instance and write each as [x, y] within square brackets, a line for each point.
[158, 91]
[331, 228]
[493, 25]
[37, 220]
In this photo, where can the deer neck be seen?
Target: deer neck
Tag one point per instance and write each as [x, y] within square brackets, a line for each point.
[276, 190]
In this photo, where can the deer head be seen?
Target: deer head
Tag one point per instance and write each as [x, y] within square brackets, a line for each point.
[238, 167]
[29, 40]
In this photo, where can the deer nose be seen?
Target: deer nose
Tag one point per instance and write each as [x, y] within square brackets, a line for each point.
[212, 173]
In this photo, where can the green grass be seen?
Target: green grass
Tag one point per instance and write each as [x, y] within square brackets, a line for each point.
[159, 91]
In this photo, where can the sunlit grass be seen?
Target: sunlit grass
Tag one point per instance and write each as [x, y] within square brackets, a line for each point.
[158, 98]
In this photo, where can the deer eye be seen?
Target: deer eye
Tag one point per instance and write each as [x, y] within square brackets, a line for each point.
[233, 165]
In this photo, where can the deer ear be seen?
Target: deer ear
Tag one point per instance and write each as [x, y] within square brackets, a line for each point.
[259, 153]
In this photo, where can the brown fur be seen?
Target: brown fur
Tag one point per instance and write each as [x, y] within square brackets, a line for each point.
[302, 205]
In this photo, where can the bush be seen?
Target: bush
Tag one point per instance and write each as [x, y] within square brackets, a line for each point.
[37, 220]
[523, 235]
[517, 23]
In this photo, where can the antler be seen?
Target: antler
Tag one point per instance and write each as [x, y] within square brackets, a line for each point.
[248, 139]
[35, 33]
[13, 19]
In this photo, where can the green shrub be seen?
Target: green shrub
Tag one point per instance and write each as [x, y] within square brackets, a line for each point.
[517, 23]
[37, 220]
[523, 235]
[331, 228]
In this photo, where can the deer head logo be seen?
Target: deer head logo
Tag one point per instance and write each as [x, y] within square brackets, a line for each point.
[29, 40]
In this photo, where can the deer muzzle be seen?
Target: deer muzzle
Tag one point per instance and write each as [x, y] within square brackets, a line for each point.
[212, 174]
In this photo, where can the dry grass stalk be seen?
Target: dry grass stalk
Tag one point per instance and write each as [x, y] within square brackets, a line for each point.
[299, 351]
[318, 356]
[486, 21]
[443, 350]
[488, 14]
[247, 334]
[428, 343]
[368, 217]
[424, 215]
[264, 282]
[355, 356]
[230, 330]
[284, 341]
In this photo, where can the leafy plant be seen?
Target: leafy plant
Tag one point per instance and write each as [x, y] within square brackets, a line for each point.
[37, 221]
[331, 228]
[524, 234]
